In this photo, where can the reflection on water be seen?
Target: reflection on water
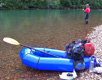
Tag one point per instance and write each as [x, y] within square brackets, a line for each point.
[46, 28]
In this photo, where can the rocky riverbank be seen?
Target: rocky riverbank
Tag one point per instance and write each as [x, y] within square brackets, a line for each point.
[96, 39]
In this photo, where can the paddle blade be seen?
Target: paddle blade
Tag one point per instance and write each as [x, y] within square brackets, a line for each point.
[11, 41]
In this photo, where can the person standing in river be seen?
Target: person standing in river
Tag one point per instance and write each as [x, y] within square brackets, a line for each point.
[87, 11]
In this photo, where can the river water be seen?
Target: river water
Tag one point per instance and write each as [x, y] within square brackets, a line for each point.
[41, 28]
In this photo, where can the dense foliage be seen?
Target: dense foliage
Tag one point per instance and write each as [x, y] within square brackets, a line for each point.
[49, 4]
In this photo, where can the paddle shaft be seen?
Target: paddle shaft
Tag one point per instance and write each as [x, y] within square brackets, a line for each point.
[39, 51]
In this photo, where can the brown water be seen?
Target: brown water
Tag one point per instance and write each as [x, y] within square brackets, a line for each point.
[39, 28]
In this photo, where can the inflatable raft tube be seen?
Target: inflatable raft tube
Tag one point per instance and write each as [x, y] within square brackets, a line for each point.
[41, 61]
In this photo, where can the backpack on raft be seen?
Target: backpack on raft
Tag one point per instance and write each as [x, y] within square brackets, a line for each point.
[77, 50]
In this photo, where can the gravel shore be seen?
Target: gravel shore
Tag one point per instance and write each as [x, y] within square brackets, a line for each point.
[96, 39]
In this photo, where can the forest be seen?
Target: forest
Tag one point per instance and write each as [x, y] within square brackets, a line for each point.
[49, 4]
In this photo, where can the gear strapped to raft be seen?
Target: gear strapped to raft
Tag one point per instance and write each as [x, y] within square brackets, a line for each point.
[76, 51]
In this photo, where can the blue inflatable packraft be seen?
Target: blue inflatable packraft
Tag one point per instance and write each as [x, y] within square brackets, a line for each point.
[37, 59]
